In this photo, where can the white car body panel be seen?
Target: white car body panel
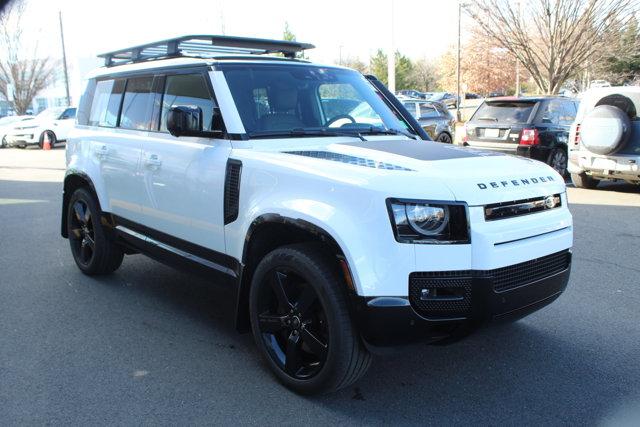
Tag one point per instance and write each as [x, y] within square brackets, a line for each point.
[349, 201]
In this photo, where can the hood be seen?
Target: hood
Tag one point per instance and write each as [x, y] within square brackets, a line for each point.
[473, 176]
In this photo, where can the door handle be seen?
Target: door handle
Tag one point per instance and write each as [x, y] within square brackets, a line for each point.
[153, 161]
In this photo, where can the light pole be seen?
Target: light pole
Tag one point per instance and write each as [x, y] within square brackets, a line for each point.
[391, 57]
[64, 61]
[458, 114]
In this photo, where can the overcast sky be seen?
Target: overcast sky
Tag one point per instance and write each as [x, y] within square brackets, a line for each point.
[423, 28]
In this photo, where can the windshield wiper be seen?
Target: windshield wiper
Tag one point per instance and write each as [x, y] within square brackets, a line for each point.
[297, 133]
[381, 131]
[493, 119]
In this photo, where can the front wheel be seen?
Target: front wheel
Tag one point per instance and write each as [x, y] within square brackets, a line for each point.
[92, 248]
[300, 321]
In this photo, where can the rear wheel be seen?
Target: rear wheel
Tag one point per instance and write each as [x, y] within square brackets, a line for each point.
[444, 137]
[91, 246]
[583, 180]
[3, 144]
[47, 134]
[558, 160]
[301, 323]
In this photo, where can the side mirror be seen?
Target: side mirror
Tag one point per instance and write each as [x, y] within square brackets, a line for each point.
[184, 120]
[187, 120]
[547, 120]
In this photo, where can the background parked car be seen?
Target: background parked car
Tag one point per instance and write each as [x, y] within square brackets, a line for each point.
[470, 95]
[605, 138]
[446, 98]
[54, 123]
[434, 118]
[534, 127]
[414, 94]
[7, 124]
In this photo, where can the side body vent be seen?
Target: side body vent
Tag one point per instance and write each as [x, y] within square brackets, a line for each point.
[232, 190]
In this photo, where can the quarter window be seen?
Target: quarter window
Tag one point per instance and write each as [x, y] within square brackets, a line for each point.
[187, 90]
[106, 103]
[137, 104]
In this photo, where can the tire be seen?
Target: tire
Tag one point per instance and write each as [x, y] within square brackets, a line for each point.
[301, 323]
[558, 160]
[3, 144]
[92, 246]
[444, 138]
[584, 181]
[605, 130]
[52, 139]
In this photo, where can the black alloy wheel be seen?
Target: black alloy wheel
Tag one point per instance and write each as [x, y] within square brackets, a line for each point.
[93, 247]
[558, 161]
[81, 233]
[301, 321]
[293, 324]
[444, 138]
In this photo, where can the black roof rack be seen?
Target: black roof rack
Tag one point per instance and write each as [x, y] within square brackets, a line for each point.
[202, 46]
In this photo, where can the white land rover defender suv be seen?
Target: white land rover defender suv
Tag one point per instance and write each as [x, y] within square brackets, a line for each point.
[315, 194]
[604, 143]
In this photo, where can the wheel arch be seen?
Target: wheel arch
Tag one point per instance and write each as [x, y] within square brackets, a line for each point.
[72, 181]
[270, 231]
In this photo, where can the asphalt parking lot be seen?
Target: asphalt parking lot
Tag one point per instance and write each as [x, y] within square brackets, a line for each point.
[152, 345]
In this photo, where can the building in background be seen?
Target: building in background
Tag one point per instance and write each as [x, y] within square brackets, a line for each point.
[55, 95]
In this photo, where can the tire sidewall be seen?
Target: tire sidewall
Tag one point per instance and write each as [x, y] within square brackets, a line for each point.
[99, 235]
[339, 339]
[553, 153]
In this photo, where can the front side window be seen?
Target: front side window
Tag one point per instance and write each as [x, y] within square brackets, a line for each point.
[293, 98]
[187, 90]
[106, 103]
[137, 104]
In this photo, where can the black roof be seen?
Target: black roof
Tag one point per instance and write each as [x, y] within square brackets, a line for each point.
[525, 98]
[202, 46]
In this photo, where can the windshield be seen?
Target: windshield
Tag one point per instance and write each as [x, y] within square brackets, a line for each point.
[278, 99]
[504, 112]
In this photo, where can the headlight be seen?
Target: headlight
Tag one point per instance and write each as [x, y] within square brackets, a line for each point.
[428, 222]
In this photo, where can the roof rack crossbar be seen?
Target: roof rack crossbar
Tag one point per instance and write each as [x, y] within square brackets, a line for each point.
[204, 46]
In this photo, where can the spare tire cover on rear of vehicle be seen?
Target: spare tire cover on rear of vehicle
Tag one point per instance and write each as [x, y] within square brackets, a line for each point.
[605, 129]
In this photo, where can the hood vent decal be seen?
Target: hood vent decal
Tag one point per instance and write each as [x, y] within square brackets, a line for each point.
[352, 160]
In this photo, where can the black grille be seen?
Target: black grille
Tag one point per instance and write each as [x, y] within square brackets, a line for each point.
[459, 286]
[232, 191]
[459, 283]
[513, 276]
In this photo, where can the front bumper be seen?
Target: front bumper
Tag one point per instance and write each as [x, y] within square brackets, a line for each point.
[387, 321]
[23, 139]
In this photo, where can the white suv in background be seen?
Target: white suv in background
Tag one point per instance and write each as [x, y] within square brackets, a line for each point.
[341, 229]
[54, 123]
[604, 142]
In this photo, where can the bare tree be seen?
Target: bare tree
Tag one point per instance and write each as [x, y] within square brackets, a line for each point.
[20, 67]
[552, 39]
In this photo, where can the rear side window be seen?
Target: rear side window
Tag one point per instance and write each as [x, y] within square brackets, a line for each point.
[504, 112]
[106, 103]
[137, 104]
[187, 90]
